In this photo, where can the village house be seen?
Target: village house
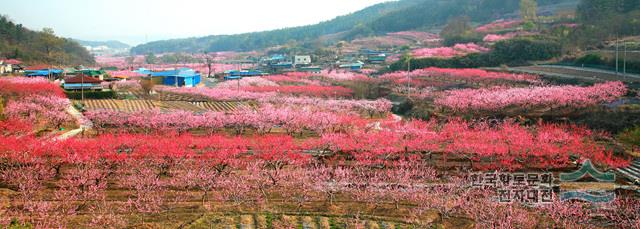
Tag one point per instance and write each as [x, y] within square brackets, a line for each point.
[81, 81]
[9, 66]
[5, 68]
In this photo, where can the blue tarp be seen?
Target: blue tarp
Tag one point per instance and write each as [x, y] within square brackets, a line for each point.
[277, 57]
[232, 77]
[43, 72]
[143, 71]
[245, 73]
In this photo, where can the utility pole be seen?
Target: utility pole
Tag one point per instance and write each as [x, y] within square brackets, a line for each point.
[409, 77]
[624, 65]
[82, 88]
[617, 55]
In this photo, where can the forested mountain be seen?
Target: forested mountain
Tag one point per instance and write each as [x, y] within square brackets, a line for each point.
[18, 42]
[108, 44]
[377, 19]
[249, 41]
[606, 19]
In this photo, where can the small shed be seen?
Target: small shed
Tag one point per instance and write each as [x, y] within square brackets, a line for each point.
[81, 81]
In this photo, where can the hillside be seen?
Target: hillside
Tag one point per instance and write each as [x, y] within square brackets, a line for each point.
[374, 20]
[18, 42]
[250, 41]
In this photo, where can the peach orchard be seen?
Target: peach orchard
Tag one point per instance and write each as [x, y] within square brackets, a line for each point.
[306, 139]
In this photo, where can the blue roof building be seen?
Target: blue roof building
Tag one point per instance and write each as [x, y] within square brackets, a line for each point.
[184, 77]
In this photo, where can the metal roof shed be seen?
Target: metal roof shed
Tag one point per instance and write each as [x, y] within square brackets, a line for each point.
[184, 77]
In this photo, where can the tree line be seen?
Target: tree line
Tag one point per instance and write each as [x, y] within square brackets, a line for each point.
[511, 52]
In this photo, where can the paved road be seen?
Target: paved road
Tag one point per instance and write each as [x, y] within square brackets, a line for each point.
[595, 70]
[210, 82]
[577, 72]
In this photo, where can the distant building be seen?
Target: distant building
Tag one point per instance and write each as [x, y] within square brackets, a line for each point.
[374, 56]
[93, 73]
[244, 73]
[5, 68]
[125, 75]
[143, 71]
[81, 81]
[302, 60]
[377, 59]
[9, 66]
[356, 66]
[282, 65]
[276, 58]
[312, 69]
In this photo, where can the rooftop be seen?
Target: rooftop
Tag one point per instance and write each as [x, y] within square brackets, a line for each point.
[81, 78]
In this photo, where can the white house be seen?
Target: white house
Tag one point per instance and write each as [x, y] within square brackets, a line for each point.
[302, 60]
[5, 67]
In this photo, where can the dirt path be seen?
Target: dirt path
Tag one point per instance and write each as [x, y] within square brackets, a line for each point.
[85, 124]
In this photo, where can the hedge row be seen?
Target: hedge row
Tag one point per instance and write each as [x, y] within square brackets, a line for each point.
[91, 94]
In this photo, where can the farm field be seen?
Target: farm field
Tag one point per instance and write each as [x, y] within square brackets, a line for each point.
[143, 105]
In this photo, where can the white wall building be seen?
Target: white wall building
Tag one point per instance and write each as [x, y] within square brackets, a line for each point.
[5, 67]
[302, 60]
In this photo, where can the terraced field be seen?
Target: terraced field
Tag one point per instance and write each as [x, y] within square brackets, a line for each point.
[165, 96]
[268, 220]
[141, 105]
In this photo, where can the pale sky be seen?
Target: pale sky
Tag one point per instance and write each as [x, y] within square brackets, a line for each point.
[137, 21]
